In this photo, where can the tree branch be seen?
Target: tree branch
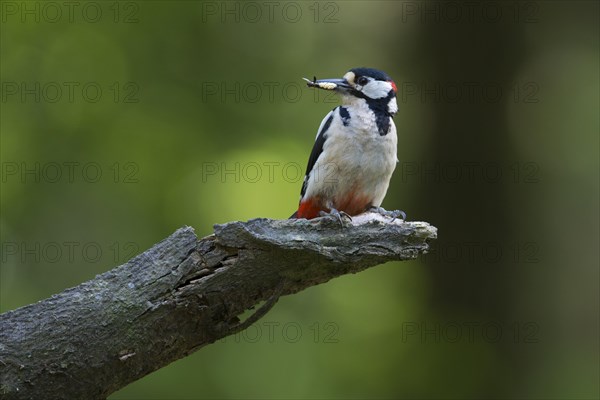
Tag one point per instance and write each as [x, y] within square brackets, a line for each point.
[91, 340]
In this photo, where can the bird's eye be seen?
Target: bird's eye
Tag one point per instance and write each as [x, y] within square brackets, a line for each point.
[362, 80]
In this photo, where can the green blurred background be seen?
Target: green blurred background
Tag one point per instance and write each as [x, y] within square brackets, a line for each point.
[122, 121]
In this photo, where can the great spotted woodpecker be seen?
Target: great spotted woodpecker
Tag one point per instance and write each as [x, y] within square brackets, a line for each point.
[354, 154]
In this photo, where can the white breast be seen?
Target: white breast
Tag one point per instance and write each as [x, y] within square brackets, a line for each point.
[355, 158]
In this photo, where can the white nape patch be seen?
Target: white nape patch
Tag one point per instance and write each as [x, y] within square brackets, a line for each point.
[376, 89]
[368, 216]
[349, 77]
[393, 106]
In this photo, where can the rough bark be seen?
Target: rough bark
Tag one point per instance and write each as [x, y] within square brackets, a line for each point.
[184, 293]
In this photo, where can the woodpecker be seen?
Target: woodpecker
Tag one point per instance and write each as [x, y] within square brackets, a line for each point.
[355, 151]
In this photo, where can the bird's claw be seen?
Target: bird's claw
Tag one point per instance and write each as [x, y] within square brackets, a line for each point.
[338, 215]
[394, 214]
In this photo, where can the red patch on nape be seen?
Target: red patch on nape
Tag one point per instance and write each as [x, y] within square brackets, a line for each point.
[309, 208]
[394, 86]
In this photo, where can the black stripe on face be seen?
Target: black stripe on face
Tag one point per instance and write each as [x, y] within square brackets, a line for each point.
[345, 115]
[380, 109]
[316, 152]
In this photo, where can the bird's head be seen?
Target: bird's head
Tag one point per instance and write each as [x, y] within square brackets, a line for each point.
[373, 86]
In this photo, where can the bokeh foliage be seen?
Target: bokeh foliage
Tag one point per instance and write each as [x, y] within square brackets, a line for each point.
[202, 119]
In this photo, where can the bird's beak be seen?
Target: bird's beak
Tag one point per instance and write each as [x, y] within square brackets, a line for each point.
[339, 85]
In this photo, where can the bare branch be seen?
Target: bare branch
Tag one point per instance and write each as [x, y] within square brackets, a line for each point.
[182, 294]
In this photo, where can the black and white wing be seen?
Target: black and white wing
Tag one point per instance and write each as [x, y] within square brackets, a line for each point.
[317, 148]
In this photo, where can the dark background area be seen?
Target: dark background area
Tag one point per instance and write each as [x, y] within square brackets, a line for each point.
[122, 121]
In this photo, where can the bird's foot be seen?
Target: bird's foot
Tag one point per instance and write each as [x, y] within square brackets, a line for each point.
[391, 214]
[337, 215]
